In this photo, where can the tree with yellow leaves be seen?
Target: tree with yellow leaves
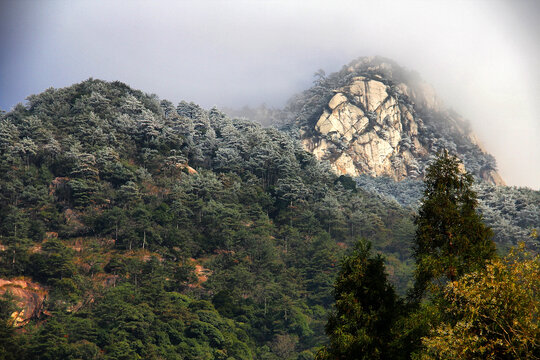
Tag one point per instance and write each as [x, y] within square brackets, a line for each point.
[492, 313]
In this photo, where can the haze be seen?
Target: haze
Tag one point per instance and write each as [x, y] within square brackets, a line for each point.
[481, 56]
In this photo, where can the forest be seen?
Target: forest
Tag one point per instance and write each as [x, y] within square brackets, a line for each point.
[158, 231]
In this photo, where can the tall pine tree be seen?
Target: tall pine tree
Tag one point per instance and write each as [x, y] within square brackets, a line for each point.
[451, 238]
[366, 310]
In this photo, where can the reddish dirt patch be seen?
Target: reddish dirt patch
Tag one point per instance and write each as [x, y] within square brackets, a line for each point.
[57, 184]
[28, 297]
[201, 272]
[51, 235]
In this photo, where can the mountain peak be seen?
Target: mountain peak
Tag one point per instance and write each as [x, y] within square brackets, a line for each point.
[375, 117]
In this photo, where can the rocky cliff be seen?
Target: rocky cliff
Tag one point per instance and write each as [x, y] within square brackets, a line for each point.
[376, 118]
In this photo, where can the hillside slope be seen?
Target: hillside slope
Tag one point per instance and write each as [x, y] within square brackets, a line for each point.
[513, 213]
[161, 231]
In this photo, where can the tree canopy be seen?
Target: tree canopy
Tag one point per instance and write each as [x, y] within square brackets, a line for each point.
[492, 313]
[174, 231]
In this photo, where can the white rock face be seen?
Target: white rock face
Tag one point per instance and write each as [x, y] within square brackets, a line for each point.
[345, 119]
[361, 130]
[366, 129]
[338, 99]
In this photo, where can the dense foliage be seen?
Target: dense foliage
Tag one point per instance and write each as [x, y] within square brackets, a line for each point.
[175, 232]
[367, 308]
[451, 238]
[512, 213]
[479, 306]
[492, 313]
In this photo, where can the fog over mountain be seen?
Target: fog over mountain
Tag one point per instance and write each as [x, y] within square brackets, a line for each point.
[480, 56]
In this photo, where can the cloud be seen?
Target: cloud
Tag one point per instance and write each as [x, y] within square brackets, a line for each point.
[481, 56]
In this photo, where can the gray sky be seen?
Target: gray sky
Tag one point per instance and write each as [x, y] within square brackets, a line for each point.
[481, 56]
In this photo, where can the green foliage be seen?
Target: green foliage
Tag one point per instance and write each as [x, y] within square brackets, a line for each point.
[174, 232]
[9, 346]
[489, 307]
[52, 263]
[366, 310]
[511, 212]
[451, 239]
[180, 233]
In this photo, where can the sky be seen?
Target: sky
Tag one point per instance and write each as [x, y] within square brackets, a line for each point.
[481, 56]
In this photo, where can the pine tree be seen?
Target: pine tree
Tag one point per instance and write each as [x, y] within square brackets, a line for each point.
[451, 238]
[366, 309]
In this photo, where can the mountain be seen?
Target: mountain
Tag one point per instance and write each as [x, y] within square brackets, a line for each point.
[133, 228]
[374, 117]
[382, 125]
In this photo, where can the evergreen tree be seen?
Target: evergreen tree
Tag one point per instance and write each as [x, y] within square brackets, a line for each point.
[366, 309]
[451, 239]
[8, 342]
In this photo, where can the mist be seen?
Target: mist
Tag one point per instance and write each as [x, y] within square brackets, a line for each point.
[480, 56]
